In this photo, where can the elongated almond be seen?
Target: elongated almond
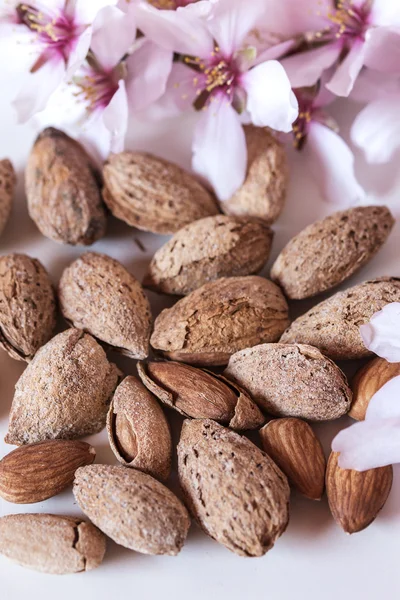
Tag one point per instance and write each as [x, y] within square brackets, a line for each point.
[355, 498]
[367, 381]
[39, 471]
[8, 180]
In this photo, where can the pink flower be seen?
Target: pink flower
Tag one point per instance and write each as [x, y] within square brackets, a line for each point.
[46, 41]
[221, 77]
[351, 34]
[375, 442]
[329, 158]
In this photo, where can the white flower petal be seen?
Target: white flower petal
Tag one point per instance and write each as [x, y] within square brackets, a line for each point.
[382, 334]
[385, 404]
[85, 11]
[383, 49]
[347, 72]
[305, 68]
[79, 52]
[113, 35]
[115, 118]
[385, 12]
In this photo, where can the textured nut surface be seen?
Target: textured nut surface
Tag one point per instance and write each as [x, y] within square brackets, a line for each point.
[207, 249]
[291, 380]
[39, 471]
[63, 192]
[328, 252]
[367, 381]
[333, 326]
[132, 508]
[27, 306]
[97, 294]
[8, 180]
[64, 392]
[153, 194]
[51, 543]
[263, 193]
[220, 318]
[233, 489]
[200, 394]
[297, 451]
[355, 498]
[138, 430]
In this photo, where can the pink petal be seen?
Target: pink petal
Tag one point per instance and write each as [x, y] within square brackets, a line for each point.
[369, 444]
[113, 35]
[304, 69]
[373, 85]
[149, 68]
[270, 100]
[79, 52]
[115, 118]
[382, 334]
[383, 49]
[385, 404]
[219, 148]
[332, 166]
[293, 17]
[347, 72]
[274, 52]
[385, 12]
[85, 11]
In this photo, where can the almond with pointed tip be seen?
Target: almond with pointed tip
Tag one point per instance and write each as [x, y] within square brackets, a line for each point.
[8, 181]
[367, 381]
[355, 498]
[297, 451]
[97, 294]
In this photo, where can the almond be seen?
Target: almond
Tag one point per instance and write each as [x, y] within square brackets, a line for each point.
[220, 318]
[304, 383]
[62, 188]
[8, 181]
[97, 294]
[27, 306]
[328, 252]
[297, 451]
[207, 249]
[132, 508]
[153, 194]
[367, 381]
[263, 193]
[235, 491]
[64, 392]
[200, 394]
[138, 430]
[333, 326]
[51, 543]
[39, 471]
[355, 498]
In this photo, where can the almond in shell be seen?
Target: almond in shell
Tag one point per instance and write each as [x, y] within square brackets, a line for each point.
[8, 181]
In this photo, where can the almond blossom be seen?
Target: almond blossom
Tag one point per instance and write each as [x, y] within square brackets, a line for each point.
[221, 77]
[375, 442]
[47, 41]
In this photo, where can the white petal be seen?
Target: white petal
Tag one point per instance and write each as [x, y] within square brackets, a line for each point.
[270, 101]
[219, 148]
[85, 11]
[79, 52]
[383, 49]
[305, 68]
[115, 118]
[347, 72]
[385, 12]
[369, 444]
[382, 334]
[385, 404]
[373, 85]
[332, 166]
[113, 34]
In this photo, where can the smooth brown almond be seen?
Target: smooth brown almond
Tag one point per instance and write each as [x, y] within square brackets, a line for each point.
[263, 193]
[51, 543]
[235, 491]
[97, 294]
[8, 180]
[333, 326]
[328, 252]
[355, 498]
[39, 471]
[132, 508]
[367, 381]
[64, 392]
[291, 380]
[200, 394]
[153, 194]
[138, 430]
[220, 318]
[207, 249]
[27, 306]
[297, 451]
[62, 188]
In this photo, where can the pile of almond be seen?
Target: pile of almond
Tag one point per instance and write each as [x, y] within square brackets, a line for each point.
[225, 356]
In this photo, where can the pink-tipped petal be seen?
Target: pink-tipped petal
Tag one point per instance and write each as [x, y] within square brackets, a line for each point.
[331, 163]
[347, 72]
[270, 100]
[383, 50]
[113, 35]
[219, 148]
[382, 334]
[115, 118]
[385, 404]
[304, 69]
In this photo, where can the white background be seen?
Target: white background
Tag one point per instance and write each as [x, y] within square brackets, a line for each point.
[314, 559]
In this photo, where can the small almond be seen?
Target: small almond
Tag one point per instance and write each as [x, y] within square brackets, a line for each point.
[355, 498]
[138, 430]
[367, 381]
[8, 181]
[39, 471]
[297, 451]
[220, 318]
